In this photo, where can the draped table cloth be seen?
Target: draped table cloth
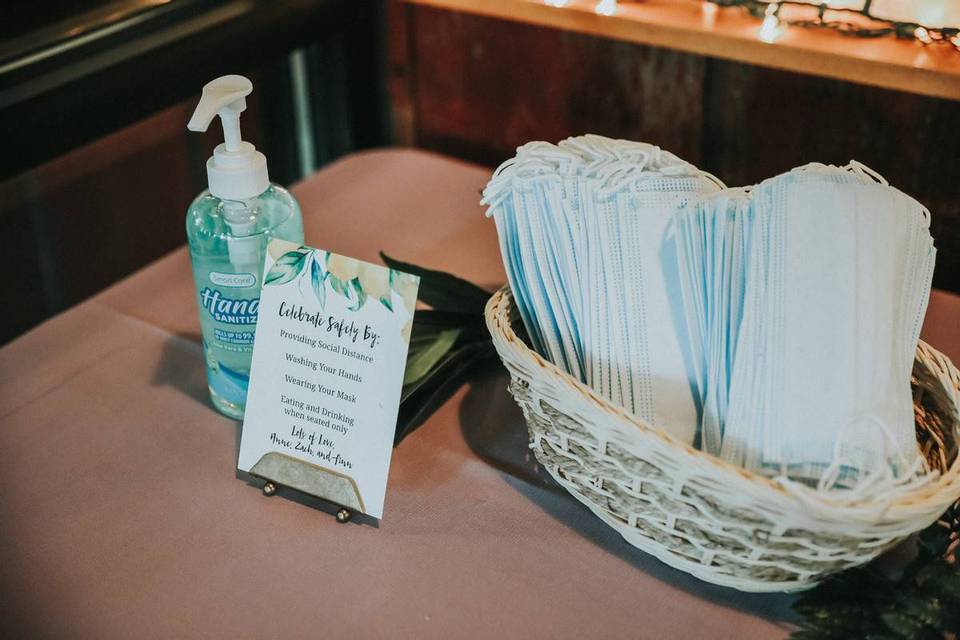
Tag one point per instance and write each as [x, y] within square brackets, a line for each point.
[122, 514]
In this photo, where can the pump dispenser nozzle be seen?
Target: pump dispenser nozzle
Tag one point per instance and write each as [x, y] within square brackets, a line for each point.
[236, 171]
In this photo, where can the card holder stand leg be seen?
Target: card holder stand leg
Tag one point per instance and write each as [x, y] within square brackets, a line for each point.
[279, 469]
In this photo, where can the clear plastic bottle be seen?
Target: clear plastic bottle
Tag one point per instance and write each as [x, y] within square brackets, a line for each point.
[228, 229]
[228, 242]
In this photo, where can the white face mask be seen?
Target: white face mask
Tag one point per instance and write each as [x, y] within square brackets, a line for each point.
[510, 250]
[786, 315]
[710, 239]
[834, 281]
[593, 277]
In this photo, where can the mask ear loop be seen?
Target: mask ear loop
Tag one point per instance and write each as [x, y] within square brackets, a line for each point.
[532, 159]
[860, 169]
[498, 188]
[813, 167]
[863, 170]
[909, 472]
[863, 491]
[714, 180]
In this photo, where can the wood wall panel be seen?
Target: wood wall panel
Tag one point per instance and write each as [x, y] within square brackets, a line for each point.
[479, 87]
[484, 87]
[88, 218]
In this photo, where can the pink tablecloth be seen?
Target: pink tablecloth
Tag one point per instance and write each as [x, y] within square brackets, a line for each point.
[122, 517]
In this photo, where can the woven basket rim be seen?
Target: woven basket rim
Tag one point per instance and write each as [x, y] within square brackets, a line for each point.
[497, 314]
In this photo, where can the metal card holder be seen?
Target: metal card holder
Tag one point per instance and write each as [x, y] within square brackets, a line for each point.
[279, 469]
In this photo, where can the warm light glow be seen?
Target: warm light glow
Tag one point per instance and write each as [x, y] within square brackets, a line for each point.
[929, 13]
[931, 21]
[606, 7]
[709, 11]
[770, 30]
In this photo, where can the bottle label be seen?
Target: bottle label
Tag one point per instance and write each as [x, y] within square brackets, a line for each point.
[235, 338]
[229, 310]
[237, 280]
[230, 385]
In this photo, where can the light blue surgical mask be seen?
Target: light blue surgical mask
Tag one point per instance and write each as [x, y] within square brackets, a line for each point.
[586, 222]
[824, 278]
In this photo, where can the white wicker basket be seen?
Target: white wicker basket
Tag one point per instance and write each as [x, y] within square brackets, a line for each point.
[701, 515]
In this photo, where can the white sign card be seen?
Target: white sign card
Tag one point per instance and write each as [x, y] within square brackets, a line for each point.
[328, 362]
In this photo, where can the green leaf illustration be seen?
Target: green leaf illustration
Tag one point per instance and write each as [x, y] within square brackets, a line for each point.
[286, 268]
[361, 294]
[339, 286]
[316, 281]
[385, 301]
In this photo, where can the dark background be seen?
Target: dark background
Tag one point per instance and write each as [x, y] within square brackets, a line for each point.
[99, 169]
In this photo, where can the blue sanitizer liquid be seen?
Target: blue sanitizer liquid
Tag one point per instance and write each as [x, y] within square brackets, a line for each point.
[228, 242]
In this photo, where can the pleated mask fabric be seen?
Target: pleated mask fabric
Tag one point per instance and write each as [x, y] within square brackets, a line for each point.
[582, 227]
[803, 299]
[774, 326]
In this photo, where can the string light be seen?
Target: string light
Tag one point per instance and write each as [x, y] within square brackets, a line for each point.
[606, 7]
[844, 19]
[773, 26]
[770, 30]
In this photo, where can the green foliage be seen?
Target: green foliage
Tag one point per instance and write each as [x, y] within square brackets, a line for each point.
[449, 343]
[922, 603]
[442, 290]
[426, 351]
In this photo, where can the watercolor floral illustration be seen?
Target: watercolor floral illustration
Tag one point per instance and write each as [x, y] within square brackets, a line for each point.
[447, 336]
[357, 281]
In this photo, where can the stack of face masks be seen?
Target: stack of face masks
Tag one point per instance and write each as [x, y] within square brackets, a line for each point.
[803, 299]
[773, 326]
[582, 234]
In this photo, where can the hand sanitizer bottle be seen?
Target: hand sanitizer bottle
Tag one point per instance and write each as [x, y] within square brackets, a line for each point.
[228, 229]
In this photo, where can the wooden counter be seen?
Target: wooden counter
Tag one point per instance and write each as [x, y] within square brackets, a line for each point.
[730, 33]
